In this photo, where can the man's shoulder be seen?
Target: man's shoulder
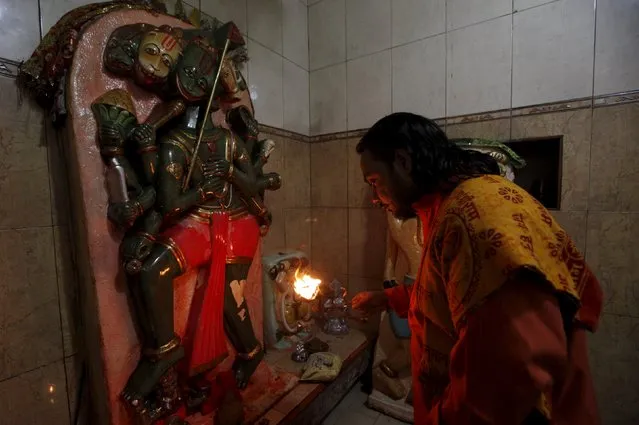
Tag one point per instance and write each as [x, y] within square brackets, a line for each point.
[486, 199]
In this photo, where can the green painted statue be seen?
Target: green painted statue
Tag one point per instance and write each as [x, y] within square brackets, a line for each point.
[186, 204]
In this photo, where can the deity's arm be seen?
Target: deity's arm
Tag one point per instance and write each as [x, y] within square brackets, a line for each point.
[172, 169]
[145, 135]
[391, 258]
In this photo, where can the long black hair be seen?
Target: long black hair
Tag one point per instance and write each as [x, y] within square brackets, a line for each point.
[439, 165]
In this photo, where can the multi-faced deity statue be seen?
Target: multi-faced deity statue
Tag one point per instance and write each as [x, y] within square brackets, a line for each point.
[207, 208]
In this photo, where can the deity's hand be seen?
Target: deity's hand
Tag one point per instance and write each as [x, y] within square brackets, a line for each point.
[213, 187]
[268, 146]
[124, 214]
[135, 249]
[265, 223]
[217, 168]
[144, 135]
[274, 181]
[370, 302]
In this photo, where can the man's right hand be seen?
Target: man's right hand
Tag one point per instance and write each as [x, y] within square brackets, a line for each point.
[370, 302]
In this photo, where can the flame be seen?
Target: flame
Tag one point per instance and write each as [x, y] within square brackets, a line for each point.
[306, 287]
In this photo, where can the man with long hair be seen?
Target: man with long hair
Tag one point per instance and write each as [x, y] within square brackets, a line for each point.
[503, 299]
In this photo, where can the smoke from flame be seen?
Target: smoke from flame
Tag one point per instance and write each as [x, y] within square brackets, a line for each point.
[306, 287]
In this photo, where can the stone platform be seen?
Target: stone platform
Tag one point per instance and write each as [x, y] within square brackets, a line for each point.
[307, 403]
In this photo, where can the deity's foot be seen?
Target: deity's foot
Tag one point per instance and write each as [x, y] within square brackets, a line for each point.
[245, 364]
[149, 373]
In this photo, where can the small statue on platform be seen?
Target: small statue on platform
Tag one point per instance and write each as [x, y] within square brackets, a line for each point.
[334, 308]
[192, 199]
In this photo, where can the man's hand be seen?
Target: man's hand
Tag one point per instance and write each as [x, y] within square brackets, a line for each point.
[370, 302]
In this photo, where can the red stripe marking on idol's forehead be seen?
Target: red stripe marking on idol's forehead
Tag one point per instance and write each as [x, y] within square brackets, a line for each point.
[168, 42]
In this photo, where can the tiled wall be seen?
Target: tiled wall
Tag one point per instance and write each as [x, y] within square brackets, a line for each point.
[599, 208]
[38, 347]
[277, 33]
[445, 58]
[39, 359]
[290, 206]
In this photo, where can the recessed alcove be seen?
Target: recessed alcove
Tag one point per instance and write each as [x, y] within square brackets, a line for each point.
[541, 176]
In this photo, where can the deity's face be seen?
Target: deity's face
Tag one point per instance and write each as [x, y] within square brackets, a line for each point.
[196, 71]
[121, 52]
[158, 55]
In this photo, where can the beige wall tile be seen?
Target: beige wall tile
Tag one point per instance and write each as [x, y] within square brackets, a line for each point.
[329, 248]
[494, 129]
[614, 354]
[30, 320]
[298, 229]
[36, 397]
[11, 108]
[575, 128]
[58, 177]
[615, 152]
[328, 174]
[574, 223]
[360, 195]
[366, 242]
[24, 179]
[275, 240]
[613, 256]
[297, 168]
[67, 291]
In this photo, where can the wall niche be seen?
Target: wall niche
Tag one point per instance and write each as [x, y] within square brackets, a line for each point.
[541, 176]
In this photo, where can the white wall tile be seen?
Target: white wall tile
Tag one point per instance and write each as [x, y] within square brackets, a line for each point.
[19, 28]
[368, 27]
[295, 32]
[327, 33]
[553, 52]
[265, 23]
[461, 13]
[617, 54]
[417, 19]
[479, 59]
[520, 5]
[369, 89]
[328, 99]
[419, 77]
[227, 10]
[296, 98]
[52, 10]
[265, 84]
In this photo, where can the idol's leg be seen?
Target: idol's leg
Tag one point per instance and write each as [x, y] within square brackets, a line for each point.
[238, 326]
[154, 297]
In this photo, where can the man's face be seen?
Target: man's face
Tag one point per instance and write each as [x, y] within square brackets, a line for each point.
[393, 187]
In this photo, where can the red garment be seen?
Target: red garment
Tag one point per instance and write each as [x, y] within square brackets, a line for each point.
[213, 241]
[507, 356]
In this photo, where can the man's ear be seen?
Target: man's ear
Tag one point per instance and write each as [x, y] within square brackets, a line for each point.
[403, 161]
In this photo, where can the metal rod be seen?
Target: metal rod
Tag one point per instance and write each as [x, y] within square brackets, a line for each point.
[206, 116]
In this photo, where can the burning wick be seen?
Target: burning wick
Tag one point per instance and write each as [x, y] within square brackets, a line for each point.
[306, 286]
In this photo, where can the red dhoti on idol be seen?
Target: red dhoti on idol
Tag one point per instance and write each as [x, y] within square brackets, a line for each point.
[212, 239]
